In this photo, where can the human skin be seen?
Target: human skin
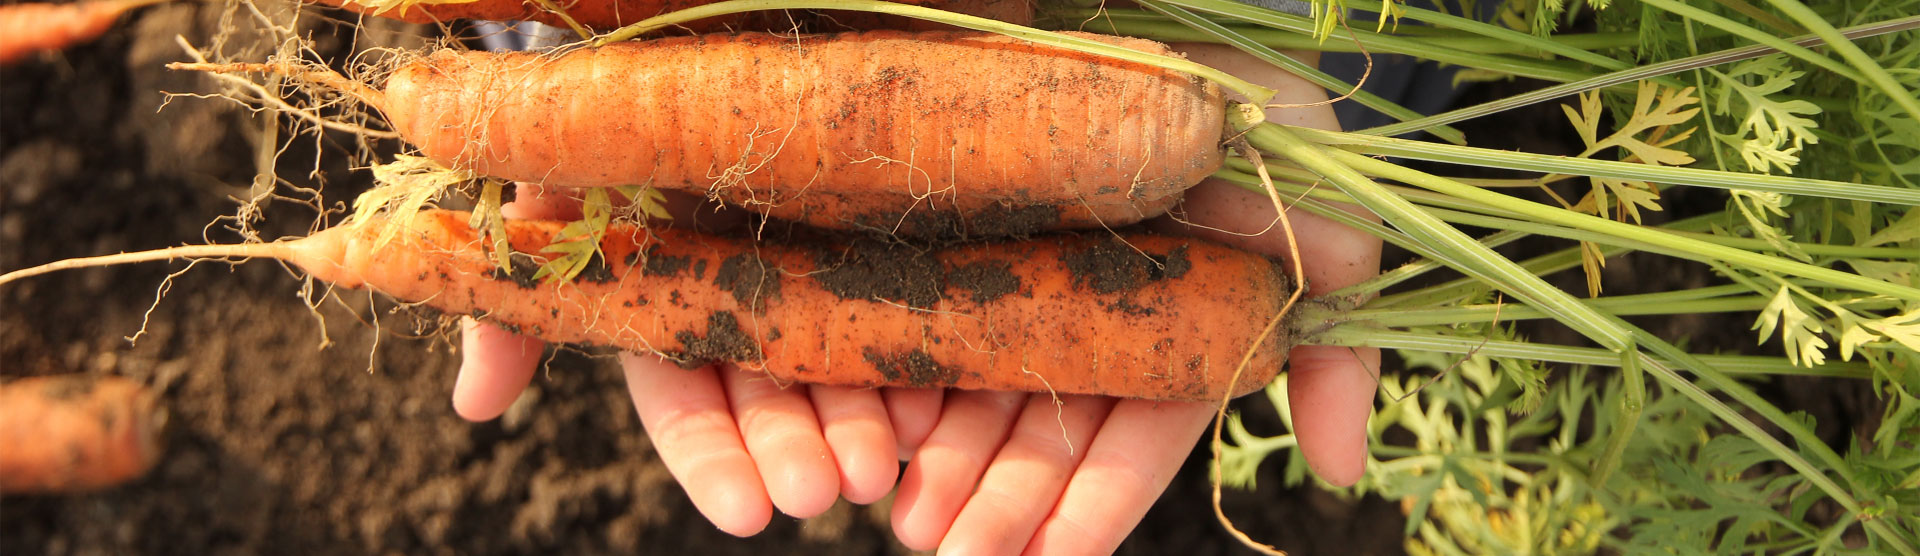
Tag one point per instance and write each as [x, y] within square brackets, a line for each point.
[988, 472]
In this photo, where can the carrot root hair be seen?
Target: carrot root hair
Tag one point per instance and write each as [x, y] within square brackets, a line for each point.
[243, 251]
[322, 76]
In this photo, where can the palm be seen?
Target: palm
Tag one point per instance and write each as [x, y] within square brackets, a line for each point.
[989, 470]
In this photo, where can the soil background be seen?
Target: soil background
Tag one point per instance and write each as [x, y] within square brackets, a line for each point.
[276, 445]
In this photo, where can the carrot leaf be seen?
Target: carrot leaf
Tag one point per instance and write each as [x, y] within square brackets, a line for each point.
[1798, 330]
[1774, 130]
[381, 7]
[578, 242]
[405, 186]
[488, 219]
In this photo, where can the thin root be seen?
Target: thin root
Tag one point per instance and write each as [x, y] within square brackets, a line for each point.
[1220, 415]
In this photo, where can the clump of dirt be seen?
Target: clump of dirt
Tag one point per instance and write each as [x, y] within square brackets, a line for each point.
[597, 271]
[873, 269]
[521, 270]
[917, 366]
[724, 341]
[988, 280]
[752, 281]
[660, 265]
[1113, 266]
[997, 221]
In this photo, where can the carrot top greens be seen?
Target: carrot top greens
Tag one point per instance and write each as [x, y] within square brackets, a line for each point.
[1525, 447]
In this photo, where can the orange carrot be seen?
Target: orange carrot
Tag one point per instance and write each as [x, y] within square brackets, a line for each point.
[610, 14]
[75, 433]
[31, 27]
[1137, 315]
[970, 114]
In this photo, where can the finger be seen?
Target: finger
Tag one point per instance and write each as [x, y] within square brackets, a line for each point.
[1026, 478]
[1330, 392]
[1334, 255]
[972, 426]
[537, 201]
[1289, 89]
[495, 366]
[685, 413]
[913, 412]
[781, 433]
[855, 423]
[1125, 470]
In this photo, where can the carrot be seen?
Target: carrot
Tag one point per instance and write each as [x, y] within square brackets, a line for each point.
[611, 14]
[75, 433]
[948, 218]
[1137, 315]
[970, 114]
[31, 27]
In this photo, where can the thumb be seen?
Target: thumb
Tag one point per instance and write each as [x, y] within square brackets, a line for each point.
[1330, 393]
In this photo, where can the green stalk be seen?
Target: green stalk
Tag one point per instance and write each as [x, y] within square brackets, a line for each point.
[1756, 35]
[1251, 91]
[1630, 75]
[1542, 265]
[1875, 75]
[1473, 258]
[1609, 331]
[1710, 299]
[1243, 170]
[1141, 24]
[1414, 269]
[1492, 158]
[1387, 43]
[1743, 365]
[1678, 245]
[1495, 32]
[1296, 67]
[1748, 245]
[1622, 306]
[1633, 399]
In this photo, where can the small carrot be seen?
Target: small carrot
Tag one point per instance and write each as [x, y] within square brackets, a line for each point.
[75, 433]
[1136, 315]
[31, 27]
[970, 114]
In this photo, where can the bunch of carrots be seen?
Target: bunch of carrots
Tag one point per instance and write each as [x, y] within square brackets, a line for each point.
[938, 134]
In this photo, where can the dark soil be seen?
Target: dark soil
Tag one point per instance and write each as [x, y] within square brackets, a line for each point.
[875, 269]
[1113, 266]
[329, 430]
[724, 341]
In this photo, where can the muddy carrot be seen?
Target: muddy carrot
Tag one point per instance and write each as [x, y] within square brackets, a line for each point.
[1139, 316]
